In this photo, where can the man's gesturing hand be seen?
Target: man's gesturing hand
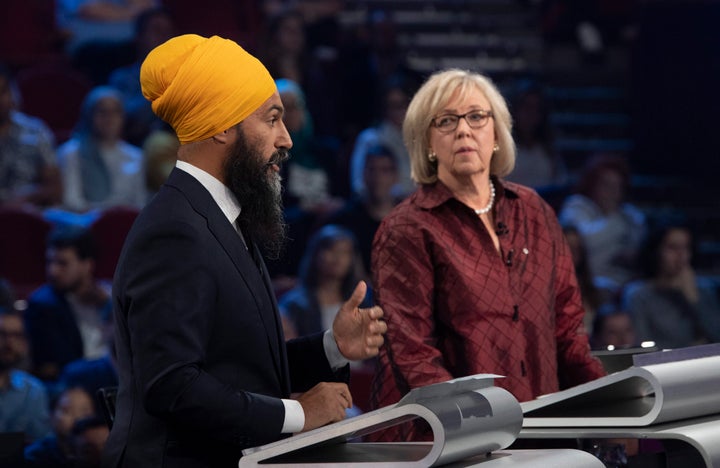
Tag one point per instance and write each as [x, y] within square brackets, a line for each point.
[359, 332]
[325, 403]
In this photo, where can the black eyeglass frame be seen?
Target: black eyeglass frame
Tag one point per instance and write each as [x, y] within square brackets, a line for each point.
[486, 116]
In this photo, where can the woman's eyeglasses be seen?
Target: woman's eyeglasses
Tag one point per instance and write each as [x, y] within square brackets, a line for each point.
[475, 119]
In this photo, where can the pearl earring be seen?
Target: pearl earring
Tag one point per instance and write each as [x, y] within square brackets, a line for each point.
[496, 148]
[432, 157]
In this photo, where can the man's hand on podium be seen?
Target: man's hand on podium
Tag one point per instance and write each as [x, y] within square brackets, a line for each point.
[325, 403]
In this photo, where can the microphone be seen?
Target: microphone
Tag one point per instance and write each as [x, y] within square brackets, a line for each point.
[502, 229]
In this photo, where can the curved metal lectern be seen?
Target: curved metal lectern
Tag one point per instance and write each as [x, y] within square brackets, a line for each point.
[469, 417]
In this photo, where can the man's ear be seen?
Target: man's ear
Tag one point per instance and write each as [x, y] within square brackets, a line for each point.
[222, 137]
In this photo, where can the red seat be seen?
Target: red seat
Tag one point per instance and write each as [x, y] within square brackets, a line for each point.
[28, 33]
[238, 21]
[23, 239]
[109, 231]
[53, 92]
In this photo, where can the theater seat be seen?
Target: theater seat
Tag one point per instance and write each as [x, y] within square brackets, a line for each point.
[53, 92]
[109, 231]
[23, 238]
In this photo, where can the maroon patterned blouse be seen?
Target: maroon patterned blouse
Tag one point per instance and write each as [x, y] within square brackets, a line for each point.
[455, 306]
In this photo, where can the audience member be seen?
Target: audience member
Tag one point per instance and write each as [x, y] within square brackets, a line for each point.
[613, 327]
[592, 297]
[88, 439]
[99, 33]
[671, 305]
[283, 50]
[612, 228]
[537, 164]
[160, 155]
[56, 449]
[330, 269]
[28, 172]
[306, 180]
[64, 317]
[387, 133]
[369, 58]
[473, 272]
[7, 295]
[307, 196]
[92, 374]
[362, 214]
[152, 27]
[23, 399]
[287, 54]
[100, 169]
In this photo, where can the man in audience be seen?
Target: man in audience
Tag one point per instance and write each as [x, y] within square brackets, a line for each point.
[23, 400]
[28, 172]
[64, 318]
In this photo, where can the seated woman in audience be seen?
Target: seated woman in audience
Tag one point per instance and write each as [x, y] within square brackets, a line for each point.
[329, 271]
[611, 228]
[671, 305]
[99, 169]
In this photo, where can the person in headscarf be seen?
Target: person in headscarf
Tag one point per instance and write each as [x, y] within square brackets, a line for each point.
[100, 169]
[203, 366]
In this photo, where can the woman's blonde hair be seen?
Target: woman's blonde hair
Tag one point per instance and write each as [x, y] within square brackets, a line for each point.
[434, 94]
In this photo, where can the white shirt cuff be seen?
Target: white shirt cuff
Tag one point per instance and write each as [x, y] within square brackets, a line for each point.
[332, 352]
[294, 417]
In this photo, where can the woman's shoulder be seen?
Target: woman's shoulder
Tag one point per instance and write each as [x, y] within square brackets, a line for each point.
[68, 149]
[130, 150]
[297, 296]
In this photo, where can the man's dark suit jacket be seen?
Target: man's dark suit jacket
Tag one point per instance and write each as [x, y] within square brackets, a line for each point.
[201, 355]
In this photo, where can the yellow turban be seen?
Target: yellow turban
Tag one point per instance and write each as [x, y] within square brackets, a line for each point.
[202, 86]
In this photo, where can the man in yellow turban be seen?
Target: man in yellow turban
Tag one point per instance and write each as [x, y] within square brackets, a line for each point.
[204, 369]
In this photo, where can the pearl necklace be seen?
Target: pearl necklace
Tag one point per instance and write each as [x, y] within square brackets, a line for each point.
[489, 206]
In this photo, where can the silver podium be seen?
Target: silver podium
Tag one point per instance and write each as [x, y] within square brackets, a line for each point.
[471, 421]
[671, 396]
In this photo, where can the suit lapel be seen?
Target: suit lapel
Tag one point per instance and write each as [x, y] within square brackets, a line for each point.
[255, 276]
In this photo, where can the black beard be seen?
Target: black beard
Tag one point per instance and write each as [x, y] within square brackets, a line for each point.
[258, 190]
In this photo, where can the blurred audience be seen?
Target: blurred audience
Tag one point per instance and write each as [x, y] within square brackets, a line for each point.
[306, 179]
[362, 214]
[329, 272]
[99, 168]
[672, 305]
[87, 441]
[592, 297]
[152, 27]
[613, 327]
[28, 171]
[160, 155]
[56, 449]
[537, 164]
[307, 195]
[7, 295]
[388, 133]
[66, 318]
[99, 33]
[23, 398]
[611, 227]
